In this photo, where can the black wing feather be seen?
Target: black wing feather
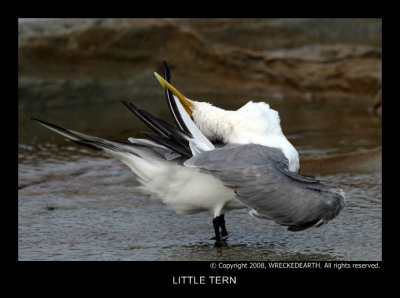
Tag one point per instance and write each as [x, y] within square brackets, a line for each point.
[172, 104]
[88, 141]
[170, 144]
[167, 134]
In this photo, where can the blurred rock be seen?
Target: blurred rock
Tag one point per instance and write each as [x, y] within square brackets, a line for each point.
[81, 61]
[352, 162]
[376, 107]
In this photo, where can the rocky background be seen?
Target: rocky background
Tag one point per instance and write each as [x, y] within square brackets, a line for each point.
[111, 59]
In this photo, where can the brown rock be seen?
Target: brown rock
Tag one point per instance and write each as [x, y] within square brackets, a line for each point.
[377, 104]
[369, 161]
[78, 61]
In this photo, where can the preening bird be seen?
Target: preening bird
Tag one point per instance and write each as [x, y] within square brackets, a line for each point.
[217, 160]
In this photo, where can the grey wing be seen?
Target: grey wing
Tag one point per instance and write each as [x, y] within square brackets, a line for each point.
[262, 181]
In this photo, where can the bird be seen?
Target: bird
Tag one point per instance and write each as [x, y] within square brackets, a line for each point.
[217, 160]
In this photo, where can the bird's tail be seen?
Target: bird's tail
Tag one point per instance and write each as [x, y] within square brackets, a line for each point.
[145, 158]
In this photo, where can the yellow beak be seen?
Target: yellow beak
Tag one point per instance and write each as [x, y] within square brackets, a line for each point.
[186, 103]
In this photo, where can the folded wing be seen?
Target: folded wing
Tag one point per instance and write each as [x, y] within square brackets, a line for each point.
[260, 177]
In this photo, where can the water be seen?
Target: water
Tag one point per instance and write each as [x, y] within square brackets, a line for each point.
[78, 204]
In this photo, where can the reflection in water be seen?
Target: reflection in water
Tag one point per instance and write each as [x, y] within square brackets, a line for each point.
[77, 204]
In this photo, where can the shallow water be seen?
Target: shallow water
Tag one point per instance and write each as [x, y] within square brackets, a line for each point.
[78, 204]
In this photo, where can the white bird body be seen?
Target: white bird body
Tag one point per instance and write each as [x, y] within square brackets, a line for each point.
[256, 168]
[183, 189]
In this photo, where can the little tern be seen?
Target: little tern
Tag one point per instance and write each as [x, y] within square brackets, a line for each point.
[217, 160]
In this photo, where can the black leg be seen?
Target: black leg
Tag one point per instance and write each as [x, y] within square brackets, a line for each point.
[224, 232]
[219, 222]
[216, 228]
